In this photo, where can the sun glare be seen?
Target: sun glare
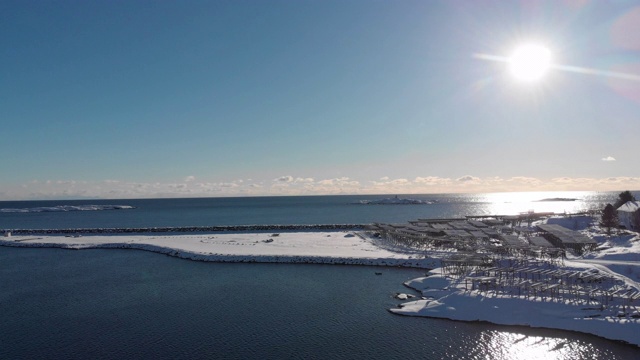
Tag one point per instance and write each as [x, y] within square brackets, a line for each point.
[530, 62]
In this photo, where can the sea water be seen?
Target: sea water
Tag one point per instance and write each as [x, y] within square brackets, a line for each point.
[131, 304]
[284, 210]
[116, 304]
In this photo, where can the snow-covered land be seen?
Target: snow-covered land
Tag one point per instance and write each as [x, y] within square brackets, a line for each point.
[596, 293]
[444, 297]
[287, 247]
[592, 293]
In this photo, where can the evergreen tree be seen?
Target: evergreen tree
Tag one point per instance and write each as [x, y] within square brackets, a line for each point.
[609, 218]
[635, 220]
[623, 197]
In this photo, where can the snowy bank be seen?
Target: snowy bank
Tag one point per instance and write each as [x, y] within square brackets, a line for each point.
[446, 298]
[300, 247]
[595, 291]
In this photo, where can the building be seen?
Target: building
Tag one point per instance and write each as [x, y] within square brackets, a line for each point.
[626, 213]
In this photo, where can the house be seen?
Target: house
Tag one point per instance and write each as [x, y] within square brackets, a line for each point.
[626, 213]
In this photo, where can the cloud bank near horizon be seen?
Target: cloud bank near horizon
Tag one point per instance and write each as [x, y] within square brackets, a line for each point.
[288, 185]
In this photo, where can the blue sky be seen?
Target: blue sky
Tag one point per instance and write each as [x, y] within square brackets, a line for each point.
[119, 99]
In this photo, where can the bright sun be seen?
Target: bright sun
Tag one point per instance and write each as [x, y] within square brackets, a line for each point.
[530, 62]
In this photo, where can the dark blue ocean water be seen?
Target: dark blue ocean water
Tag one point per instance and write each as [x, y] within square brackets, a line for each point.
[123, 304]
[287, 210]
[118, 304]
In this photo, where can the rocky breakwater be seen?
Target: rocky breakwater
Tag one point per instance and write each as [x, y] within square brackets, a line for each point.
[187, 229]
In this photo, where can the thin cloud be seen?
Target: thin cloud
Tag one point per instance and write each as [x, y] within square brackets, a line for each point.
[432, 180]
[563, 180]
[338, 181]
[468, 178]
[289, 185]
[623, 179]
[386, 181]
[286, 179]
[525, 180]
[303, 180]
[609, 158]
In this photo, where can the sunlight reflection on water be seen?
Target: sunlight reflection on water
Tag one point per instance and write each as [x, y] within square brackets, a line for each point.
[556, 202]
[504, 345]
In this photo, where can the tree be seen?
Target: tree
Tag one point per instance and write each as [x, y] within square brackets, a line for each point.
[609, 218]
[635, 220]
[623, 197]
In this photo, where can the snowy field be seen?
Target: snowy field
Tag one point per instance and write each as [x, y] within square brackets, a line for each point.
[290, 247]
[441, 295]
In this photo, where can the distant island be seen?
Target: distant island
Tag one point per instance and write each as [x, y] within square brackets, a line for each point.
[64, 208]
[395, 201]
[557, 199]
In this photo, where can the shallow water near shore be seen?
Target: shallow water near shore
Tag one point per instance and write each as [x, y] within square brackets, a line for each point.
[131, 304]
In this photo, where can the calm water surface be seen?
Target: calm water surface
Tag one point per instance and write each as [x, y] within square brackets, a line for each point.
[290, 210]
[117, 304]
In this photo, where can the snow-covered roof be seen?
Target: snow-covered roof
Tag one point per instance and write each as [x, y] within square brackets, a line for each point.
[630, 206]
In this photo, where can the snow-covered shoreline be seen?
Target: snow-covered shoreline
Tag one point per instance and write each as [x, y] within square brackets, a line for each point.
[447, 299]
[594, 293]
[338, 248]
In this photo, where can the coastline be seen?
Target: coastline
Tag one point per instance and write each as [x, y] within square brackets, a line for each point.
[321, 247]
[450, 300]
[442, 297]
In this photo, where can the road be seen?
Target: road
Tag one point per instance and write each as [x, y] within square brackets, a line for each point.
[609, 262]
